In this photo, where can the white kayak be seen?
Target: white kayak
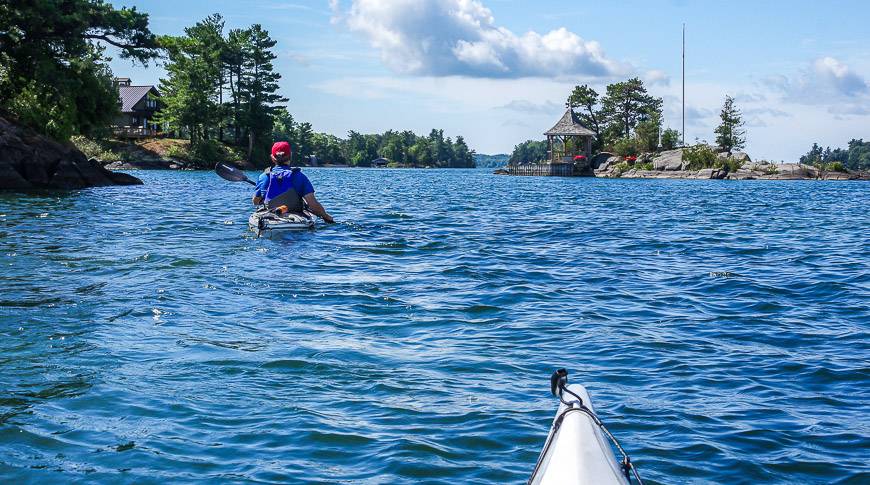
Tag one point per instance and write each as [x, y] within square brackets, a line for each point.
[576, 451]
[268, 223]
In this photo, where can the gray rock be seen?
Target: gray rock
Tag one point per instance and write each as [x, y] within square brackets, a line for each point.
[610, 162]
[600, 158]
[11, 179]
[710, 173]
[669, 160]
[837, 176]
[30, 160]
[741, 157]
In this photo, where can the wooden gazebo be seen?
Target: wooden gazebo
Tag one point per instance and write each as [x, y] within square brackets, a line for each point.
[568, 128]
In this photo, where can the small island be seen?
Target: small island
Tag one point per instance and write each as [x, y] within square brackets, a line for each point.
[621, 136]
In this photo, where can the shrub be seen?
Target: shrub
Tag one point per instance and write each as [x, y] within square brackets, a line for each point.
[644, 166]
[698, 157]
[670, 139]
[621, 167]
[94, 149]
[729, 164]
[836, 167]
[179, 151]
[647, 135]
[208, 153]
[626, 147]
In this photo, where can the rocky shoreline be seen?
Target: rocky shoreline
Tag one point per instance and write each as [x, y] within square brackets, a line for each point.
[672, 164]
[30, 161]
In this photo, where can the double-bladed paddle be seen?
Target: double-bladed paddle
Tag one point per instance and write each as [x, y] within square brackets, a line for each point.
[231, 173]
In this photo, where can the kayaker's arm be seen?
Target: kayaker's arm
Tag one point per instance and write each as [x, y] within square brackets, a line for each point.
[257, 200]
[317, 209]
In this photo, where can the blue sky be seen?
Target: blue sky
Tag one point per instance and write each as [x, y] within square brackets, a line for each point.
[498, 71]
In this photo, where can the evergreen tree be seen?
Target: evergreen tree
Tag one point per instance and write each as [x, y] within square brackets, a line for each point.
[670, 139]
[730, 134]
[627, 104]
[585, 101]
[463, 155]
[647, 132]
[258, 87]
[190, 92]
[530, 151]
[53, 73]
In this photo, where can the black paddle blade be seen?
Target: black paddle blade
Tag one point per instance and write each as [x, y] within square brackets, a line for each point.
[231, 173]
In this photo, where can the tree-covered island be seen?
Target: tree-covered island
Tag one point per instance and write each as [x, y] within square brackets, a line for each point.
[629, 140]
[219, 100]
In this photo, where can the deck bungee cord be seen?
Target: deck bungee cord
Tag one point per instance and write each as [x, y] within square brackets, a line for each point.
[559, 387]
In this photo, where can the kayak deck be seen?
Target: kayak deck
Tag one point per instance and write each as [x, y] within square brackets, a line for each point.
[577, 452]
[266, 222]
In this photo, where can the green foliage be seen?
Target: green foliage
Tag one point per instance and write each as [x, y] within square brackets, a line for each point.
[626, 109]
[94, 149]
[670, 139]
[621, 167]
[628, 146]
[403, 148]
[627, 104]
[190, 92]
[699, 157]
[204, 154]
[855, 157]
[585, 101]
[644, 166]
[730, 134]
[179, 152]
[216, 82]
[530, 151]
[647, 132]
[729, 164]
[54, 76]
[836, 167]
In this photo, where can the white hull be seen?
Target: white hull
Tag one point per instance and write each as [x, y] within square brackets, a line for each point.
[579, 453]
[267, 223]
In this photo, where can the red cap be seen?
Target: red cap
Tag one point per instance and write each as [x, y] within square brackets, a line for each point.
[281, 148]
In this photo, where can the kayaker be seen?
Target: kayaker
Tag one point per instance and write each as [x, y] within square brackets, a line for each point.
[282, 185]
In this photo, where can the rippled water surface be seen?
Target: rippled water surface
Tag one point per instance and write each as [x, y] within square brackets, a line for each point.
[721, 328]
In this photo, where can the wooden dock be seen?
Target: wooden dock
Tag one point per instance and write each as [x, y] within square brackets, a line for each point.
[543, 169]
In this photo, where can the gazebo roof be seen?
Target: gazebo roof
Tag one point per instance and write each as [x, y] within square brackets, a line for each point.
[569, 125]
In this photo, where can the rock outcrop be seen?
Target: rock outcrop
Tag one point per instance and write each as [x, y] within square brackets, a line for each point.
[669, 160]
[32, 161]
[670, 165]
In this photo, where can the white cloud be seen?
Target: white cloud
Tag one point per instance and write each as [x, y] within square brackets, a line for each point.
[826, 81]
[772, 112]
[460, 37]
[525, 106]
[656, 77]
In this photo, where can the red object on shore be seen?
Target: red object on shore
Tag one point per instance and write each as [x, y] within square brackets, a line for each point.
[579, 157]
[631, 158]
[281, 148]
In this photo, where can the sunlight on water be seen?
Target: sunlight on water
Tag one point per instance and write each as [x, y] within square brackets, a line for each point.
[721, 329]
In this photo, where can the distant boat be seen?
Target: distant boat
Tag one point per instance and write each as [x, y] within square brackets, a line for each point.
[380, 162]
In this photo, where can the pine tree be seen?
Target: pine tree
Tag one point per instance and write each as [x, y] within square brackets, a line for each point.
[730, 134]
[190, 93]
[627, 104]
[54, 74]
[258, 87]
[585, 100]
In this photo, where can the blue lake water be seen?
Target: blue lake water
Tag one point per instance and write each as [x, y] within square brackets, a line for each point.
[720, 327]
